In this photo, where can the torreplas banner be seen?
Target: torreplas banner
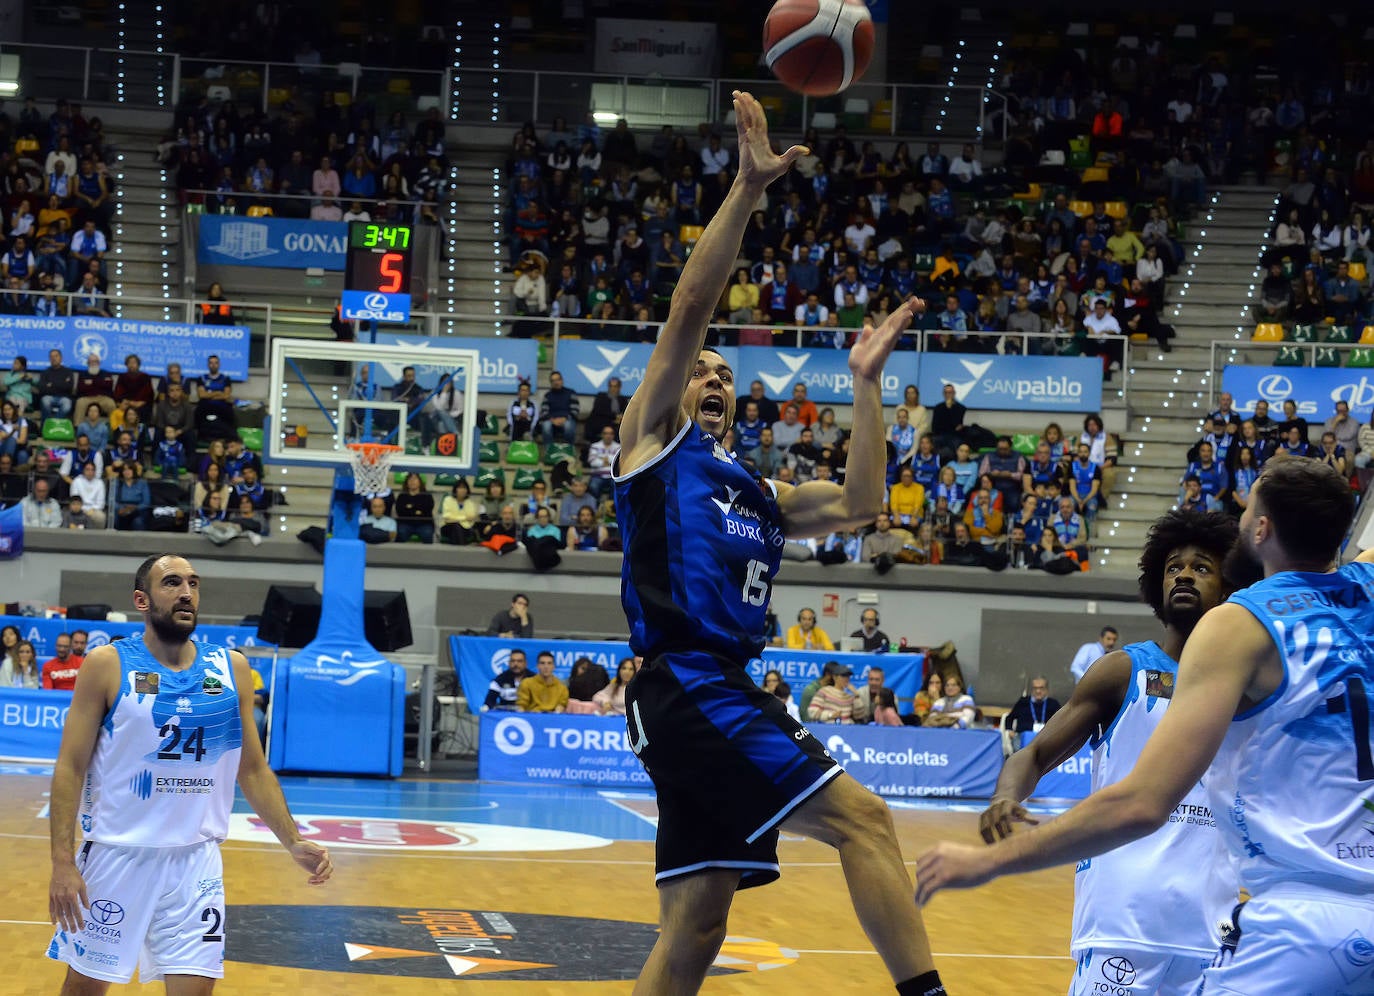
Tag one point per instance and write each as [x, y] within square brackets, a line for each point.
[1015, 383]
[278, 243]
[1315, 390]
[112, 339]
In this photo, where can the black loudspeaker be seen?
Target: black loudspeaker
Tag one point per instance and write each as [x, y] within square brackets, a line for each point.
[91, 610]
[386, 620]
[290, 615]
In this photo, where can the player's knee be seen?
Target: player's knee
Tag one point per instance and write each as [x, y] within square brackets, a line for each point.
[695, 941]
[867, 819]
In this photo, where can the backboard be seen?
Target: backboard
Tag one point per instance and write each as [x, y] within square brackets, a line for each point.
[326, 394]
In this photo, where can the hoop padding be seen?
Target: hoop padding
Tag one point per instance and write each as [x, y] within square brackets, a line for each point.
[371, 466]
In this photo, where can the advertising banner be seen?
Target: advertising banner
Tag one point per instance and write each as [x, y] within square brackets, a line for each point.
[31, 722]
[279, 243]
[478, 659]
[112, 339]
[504, 362]
[374, 306]
[825, 372]
[587, 366]
[909, 762]
[1315, 390]
[1015, 383]
[42, 633]
[566, 750]
[627, 47]
[1070, 780]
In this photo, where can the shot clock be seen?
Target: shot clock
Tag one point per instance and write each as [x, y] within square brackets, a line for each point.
[377, 272]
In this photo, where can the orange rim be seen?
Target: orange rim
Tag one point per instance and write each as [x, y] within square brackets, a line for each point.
[370, 453]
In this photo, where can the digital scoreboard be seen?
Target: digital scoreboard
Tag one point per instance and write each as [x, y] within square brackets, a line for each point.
[377, 272]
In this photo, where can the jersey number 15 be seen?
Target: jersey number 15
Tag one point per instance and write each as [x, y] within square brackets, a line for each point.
[755, 583]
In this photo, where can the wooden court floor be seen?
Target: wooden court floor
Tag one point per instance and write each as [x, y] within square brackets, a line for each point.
[1009, 937]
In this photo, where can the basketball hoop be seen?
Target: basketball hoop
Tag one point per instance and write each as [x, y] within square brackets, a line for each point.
[371, 464]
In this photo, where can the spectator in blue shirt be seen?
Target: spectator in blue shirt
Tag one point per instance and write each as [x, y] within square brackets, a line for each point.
[1292, 444]
[1087, 481]
[953, 318]
[171, 454]
[1210, 474]
[132, 499]
[1343, 297]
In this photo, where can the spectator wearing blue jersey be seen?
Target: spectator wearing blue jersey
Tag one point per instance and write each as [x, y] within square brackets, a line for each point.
[965, 468]
[1086, 482]
[1333, 454]
[1069, 527]
[1191, 497]
[1212, 475]
[947, 487]
[1041, 468]
[925, 462]
[1291, 443]
[902, 435]
[1243, 477]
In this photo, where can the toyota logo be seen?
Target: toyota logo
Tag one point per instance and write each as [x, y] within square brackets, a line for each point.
[514, 736]
[376, 302]
[1118, 970]
[1275, 387]
[107, 912]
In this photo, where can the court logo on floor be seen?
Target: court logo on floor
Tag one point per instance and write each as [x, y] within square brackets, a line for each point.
[463, 943]
[388, 834]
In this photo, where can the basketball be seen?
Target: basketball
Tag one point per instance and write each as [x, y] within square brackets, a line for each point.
[818, 47]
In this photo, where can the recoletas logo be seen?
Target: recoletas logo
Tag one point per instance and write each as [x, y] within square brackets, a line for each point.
[463, 943]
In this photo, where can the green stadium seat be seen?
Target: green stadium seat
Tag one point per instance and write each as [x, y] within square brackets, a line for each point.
[1290, 356]
[416, 447]
[525, 478]
[560, 451]
[252, 439]
[444, 479]
[1025, 443]
[399, 477]
[1327, 357]
[492, 426]
[1340, 335]
[489, 452]
[1362, 357]
[523, 453]
[59, 430]
[487, 475]
[1303, 333]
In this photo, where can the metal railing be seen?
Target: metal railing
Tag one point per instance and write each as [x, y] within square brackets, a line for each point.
[502, 96]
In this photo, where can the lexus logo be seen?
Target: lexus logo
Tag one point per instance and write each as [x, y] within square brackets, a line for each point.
[1118, 970]
[107, 912]
[376, 302]
[1275, 387]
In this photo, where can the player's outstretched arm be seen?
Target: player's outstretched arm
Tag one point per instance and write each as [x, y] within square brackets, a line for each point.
[1093, 705]
[263, 791]
[1219, 666]
[654, 414]
[821, 507]
[97, 686]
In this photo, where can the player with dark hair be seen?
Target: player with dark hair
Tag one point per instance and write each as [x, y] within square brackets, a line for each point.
[703, 539]
[1154, 901]
[1273, 693]
[151, 749]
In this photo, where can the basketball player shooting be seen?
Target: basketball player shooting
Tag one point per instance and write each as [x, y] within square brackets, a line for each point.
[1273, 693]
[151, 749]
[702, 540]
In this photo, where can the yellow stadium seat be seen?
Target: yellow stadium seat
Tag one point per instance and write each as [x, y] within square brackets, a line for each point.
[1095, 174]
[1081, 208]
[1268, 332]
[1033, 192]
[1367, 336]
[1116, 209]
[688, 234]
[259, 211]
[1358, 272]
[398, 87]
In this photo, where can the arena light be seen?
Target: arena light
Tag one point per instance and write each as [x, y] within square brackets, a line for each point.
[9, 75]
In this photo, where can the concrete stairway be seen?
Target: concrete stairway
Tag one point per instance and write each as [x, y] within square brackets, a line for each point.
[1170, 393]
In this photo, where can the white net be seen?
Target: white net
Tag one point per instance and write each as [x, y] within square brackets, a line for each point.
[371, 466]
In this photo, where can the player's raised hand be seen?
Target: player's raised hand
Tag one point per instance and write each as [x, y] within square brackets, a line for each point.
[873, 346]
[67, 898]
[314, 859]
[996, 821]
[758, 163]
[951, 866]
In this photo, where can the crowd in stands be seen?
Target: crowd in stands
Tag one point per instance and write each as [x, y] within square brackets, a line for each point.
[92, 448]
[1224, 463]
[21, 668]
[334, 164]
[56, 206]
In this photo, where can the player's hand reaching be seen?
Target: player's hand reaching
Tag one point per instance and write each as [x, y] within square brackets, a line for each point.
[996, 822]
[314, 859]
[67, 898]
[951, 866]
[758, 163]
[873, 346]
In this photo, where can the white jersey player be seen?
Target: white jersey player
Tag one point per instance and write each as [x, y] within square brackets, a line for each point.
[1275, 685]
[1145, 914]
[151, 750]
